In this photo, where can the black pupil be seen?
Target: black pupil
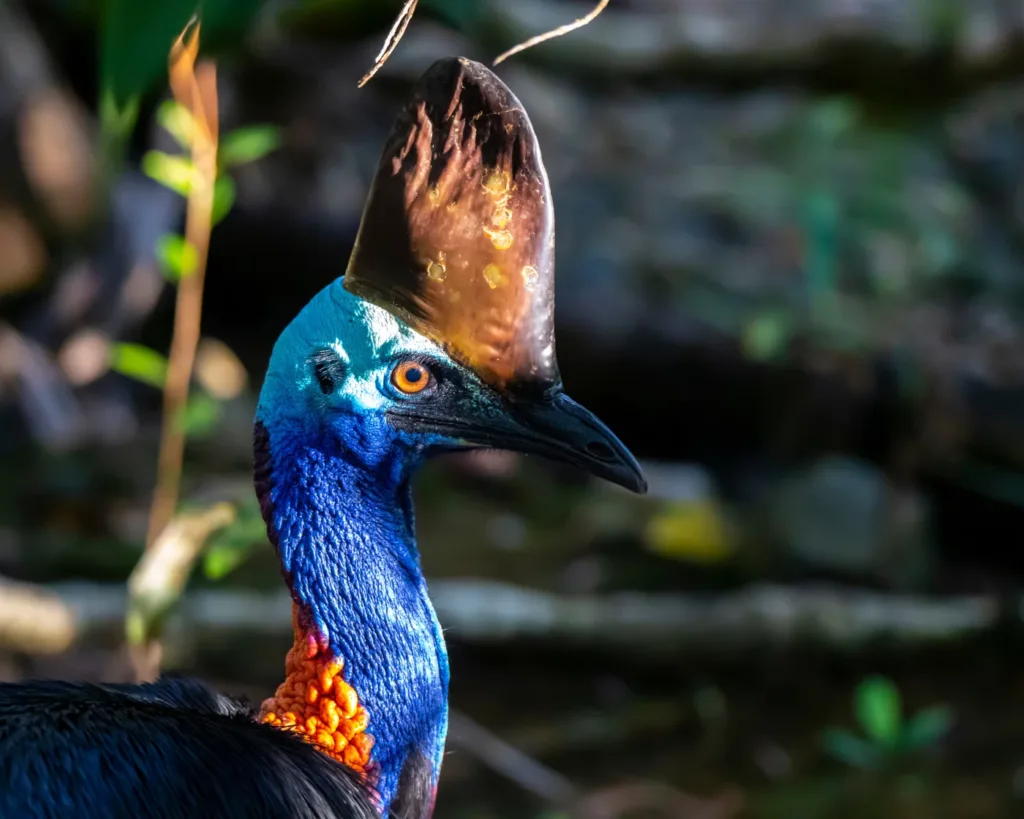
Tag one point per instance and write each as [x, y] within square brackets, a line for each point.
[413, 375]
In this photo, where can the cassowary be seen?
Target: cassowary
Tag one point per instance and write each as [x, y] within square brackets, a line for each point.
[439, 337]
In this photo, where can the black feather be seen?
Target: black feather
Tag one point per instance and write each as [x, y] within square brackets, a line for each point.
[415, 799]
[169, 749]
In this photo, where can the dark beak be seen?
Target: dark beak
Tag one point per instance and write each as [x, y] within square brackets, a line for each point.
[561, 430]
[553, 426]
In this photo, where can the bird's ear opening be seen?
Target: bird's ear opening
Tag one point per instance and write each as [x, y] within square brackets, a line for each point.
[458, 236]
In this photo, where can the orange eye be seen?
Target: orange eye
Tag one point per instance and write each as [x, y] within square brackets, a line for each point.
[410, 377]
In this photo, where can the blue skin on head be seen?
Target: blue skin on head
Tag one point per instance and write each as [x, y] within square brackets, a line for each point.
[342, 515]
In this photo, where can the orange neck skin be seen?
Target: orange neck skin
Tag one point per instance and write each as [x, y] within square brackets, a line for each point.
[315, 701]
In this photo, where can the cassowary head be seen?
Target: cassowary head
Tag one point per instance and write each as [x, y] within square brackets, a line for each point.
[440, 337]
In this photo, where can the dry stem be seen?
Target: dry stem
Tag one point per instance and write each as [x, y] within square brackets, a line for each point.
[557, 32]
[196, 90]
[391, 41]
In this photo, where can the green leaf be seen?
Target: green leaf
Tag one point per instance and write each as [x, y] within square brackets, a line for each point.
[230, 547]
[224, 194]
[248, 144]
[220, 561]
[765, 335]
[834, 117]
[200, 415]
[140, 363]
[927, 727]
[879, 710]
[117, 121]
[176, 256]
[851, 750]
[172, 171]
[178, 121]
[136, 36]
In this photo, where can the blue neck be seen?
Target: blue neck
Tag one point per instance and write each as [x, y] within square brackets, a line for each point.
[344, 531]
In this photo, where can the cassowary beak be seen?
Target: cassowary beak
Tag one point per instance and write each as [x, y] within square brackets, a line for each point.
[560, 429]
[552, 426]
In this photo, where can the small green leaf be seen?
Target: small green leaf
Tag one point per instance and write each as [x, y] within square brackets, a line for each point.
[200, 415]
[171, 171]
[140, 363]
[248, 144]
[879, 710]
[224, 193]
[230, 547]
[177, 120]
[764, 336]
[851, 750]
[927, 727]
[219, 561]
[834, 117]
[176, 256]
[118, 121]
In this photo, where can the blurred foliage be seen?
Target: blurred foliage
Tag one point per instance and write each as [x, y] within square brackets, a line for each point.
[889, 735]
[230, 547]
[140, 363]
[135, 37]
[869, 231]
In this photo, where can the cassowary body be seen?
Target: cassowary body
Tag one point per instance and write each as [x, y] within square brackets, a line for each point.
[173, 748]
[439, 338]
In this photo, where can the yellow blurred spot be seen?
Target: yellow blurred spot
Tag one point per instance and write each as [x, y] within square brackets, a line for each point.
[434, 194]
[218, 370]
[694, 532]
[494, 276]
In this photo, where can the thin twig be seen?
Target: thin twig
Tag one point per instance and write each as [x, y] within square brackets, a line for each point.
[557, 32]
[493, 751]
[391, 41]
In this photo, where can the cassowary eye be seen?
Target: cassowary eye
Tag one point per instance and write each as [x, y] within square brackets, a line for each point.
[410, 377]
[328, 370]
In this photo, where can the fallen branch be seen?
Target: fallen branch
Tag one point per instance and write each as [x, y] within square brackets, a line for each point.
[484, 611]
[35, 620]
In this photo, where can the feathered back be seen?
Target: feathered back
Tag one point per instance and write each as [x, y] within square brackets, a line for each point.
[165, 750]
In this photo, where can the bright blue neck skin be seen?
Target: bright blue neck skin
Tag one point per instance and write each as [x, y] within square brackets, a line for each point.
[343, 521]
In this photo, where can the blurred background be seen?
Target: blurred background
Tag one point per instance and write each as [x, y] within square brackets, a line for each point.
[790, 239]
